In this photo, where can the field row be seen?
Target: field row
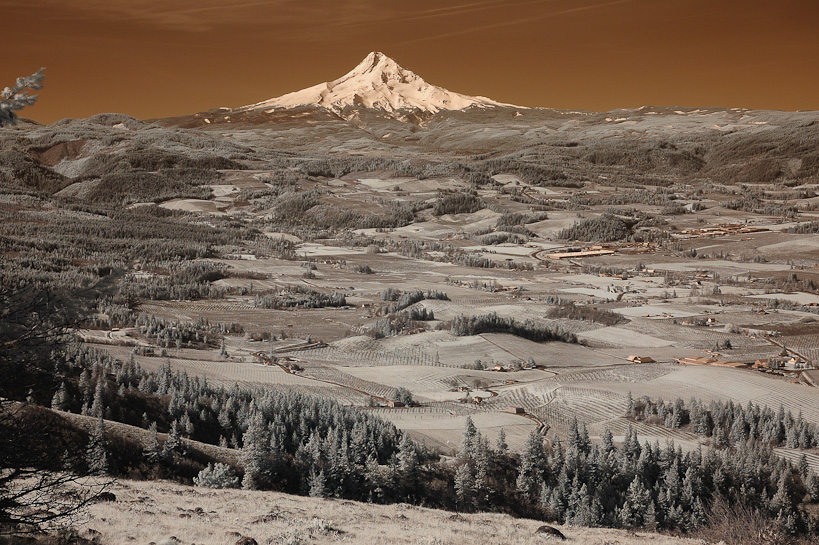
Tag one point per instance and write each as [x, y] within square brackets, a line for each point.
[621, 373]
[717, 383]
[795, 455]
[331, 374]
[371, 357]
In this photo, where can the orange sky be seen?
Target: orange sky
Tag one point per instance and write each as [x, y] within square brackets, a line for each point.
[154, 58]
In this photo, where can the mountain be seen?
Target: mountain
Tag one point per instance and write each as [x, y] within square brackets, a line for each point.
[379, 83]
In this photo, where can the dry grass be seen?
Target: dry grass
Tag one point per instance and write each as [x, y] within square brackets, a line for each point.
[160, 511]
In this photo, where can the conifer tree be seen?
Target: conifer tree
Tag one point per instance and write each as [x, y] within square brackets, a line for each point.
[812, 486]
[532, 464]
[500, 445]
[409, 465]
[98, 405]
[373, 478]
[173, 445]
[636, 504]
[465, 486]
[15, 98]
[61, 399]
[318, 488]
[96, 453]
[255, 455]
[152, 451]
[469, 439]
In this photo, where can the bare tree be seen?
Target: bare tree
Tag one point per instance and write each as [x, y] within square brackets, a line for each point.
[42, 456]
[16, 97]
[34, 327]
[42, 481]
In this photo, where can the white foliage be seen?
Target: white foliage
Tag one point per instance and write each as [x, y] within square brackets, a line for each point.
[15, 98]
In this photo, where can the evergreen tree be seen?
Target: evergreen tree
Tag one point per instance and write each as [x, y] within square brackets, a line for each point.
[483, 489]
[255, 455]
[532, 465]
[469, 439]
[15, 98]
[61, 399]
[152, 451]
[636, 505]
[782, 501]
[98, 406]
[631, 407]
[812, 486]
[500, 445]
[96, 453]
[409, 465]
[465, 486]
[373, 478]
[582, 510]
[318, 488]
[173, 445]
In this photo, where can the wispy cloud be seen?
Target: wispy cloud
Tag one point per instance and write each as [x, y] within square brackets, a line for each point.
[185, 15]
[312, 16]
[513, 22]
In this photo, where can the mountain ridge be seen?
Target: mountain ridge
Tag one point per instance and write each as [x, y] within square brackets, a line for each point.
[377, 83]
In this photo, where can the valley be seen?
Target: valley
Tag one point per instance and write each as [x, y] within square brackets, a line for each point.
[431, 263]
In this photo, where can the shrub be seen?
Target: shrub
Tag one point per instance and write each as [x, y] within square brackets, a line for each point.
[463, 326]
[573, 311]
[217, 475]
[298, 296]
[457, 203]
[404, 396]
[606, 228]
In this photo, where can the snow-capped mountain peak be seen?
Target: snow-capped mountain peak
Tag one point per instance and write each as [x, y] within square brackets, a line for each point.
[378, 82]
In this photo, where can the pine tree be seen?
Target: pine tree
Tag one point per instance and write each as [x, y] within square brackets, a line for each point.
[85, 386]
[152, 451]
[317, 482]
[98, 406]
[173, 445]
[483, 490]
[500, 445]
[465, 486]
[608, 441]
[532, 465]
[631, 446]
[631, 407]
[469, 439]
[15, 98]
[650, 517]
[812, 485]
[581, 511]
[636, 504]
[781, 502]
[373, 478]
[187, 425]
[96, 453]
[60, 401]
[255, 455]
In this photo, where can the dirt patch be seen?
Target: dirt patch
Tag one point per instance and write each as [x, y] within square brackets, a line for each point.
[53, 155]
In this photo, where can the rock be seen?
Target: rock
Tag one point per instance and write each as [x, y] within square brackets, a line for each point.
[105, 496]
[550, 531]
[246, 541]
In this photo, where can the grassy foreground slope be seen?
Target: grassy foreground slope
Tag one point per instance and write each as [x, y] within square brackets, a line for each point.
[168, 513]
